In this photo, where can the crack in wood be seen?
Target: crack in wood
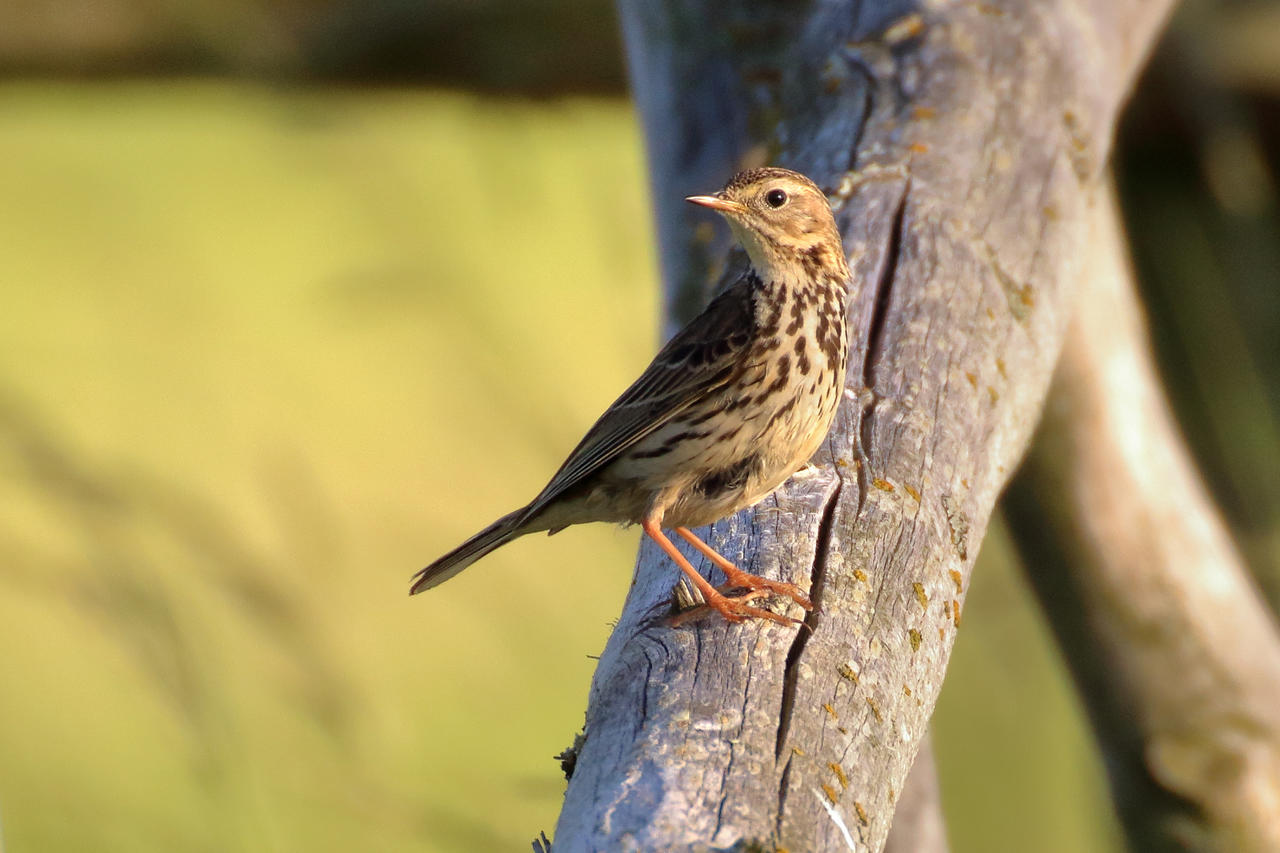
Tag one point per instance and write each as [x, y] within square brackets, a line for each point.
[817, 581]
[784, 784]
[791, 669]
[875, 333]
[884, 285]
[728, 770]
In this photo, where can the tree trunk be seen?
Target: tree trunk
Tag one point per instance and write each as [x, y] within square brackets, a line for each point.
[964, 145]
[918, 825]
[1173, 649]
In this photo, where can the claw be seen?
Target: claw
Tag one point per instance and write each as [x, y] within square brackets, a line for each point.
[755, 583]
[733, 608]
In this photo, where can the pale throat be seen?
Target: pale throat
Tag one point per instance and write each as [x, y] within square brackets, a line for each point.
[768, 262]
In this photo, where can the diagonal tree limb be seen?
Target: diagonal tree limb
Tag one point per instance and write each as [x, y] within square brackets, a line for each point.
[918, 825]
[1174, 651]
[963, 144]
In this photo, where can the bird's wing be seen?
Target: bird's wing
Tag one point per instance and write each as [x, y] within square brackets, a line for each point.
[699, 360]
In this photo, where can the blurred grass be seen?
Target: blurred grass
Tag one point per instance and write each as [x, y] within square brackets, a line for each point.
[262, 354]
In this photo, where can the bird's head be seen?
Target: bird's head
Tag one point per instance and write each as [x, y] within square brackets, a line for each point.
[781, 218]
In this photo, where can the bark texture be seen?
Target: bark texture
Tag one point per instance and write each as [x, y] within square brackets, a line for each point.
[918, 824]
[963, 145]
[1174, 650]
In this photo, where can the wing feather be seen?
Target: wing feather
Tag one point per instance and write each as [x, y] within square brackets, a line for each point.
[700, 360]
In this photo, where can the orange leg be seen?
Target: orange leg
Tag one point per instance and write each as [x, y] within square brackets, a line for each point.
[740, 579]
[733, 609]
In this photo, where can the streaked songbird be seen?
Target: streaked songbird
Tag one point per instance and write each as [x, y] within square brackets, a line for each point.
[733, 405]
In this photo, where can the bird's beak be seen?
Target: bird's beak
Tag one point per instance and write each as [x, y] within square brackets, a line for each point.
[718, 203]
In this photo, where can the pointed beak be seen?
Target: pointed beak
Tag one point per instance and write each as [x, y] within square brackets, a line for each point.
[717, 203]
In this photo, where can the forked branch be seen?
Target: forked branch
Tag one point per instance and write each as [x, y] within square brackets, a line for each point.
[964, 146]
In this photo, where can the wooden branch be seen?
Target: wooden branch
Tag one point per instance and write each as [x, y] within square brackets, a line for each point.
[1174, 651]
[963, 146]
[918, 825]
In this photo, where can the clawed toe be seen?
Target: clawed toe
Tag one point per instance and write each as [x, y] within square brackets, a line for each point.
[757, 584]
[733, 608]
[738, 609]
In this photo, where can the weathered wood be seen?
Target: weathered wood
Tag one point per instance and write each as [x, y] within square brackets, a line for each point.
[918, 825]
[1174, 651]
[963, 144]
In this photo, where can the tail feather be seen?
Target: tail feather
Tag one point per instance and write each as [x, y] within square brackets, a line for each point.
[494, 536]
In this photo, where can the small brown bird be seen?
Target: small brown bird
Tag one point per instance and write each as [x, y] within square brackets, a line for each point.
[734, 404]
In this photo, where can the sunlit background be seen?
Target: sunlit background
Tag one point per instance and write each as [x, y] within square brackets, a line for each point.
[296, 295]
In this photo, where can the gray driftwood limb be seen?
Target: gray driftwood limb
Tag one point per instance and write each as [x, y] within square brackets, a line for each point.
[918, 825]
[963, 145]
[1175, 653]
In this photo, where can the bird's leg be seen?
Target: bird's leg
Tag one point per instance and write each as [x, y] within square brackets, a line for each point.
[733, 609]
[742, 580]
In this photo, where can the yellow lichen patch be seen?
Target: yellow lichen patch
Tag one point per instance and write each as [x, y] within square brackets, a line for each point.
[826, 706]
[923, 112]
[795, 750]
[840, 777]
[958, 580]
[915, 495]
[875, 709]
[920, 595]
[915, 638]
[848, 672]
[972, 377]
[847, 182]
[955, 611]
[918, 148]
[958, 522]
[993, 393]
[906, 690]
[882, 484]
[1000, 368]
[842, 462]
[860, 575]
[831, 793]
[862, 813]
[904, 28]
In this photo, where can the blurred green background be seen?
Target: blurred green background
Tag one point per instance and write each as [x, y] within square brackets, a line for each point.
[273, 334]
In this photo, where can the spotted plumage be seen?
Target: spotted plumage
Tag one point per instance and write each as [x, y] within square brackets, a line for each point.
[734, 404]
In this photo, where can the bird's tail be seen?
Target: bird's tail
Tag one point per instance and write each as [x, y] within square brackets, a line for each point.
[495, 535]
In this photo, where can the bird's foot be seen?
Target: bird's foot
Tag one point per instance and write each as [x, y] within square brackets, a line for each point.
[733, 608]
[738, 579]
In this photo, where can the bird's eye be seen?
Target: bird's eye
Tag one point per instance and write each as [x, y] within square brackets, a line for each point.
[775, 198]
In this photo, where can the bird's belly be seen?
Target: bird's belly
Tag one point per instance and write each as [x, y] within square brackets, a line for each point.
[741, 470]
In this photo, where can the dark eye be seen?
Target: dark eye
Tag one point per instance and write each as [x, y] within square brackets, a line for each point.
[775, 198]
